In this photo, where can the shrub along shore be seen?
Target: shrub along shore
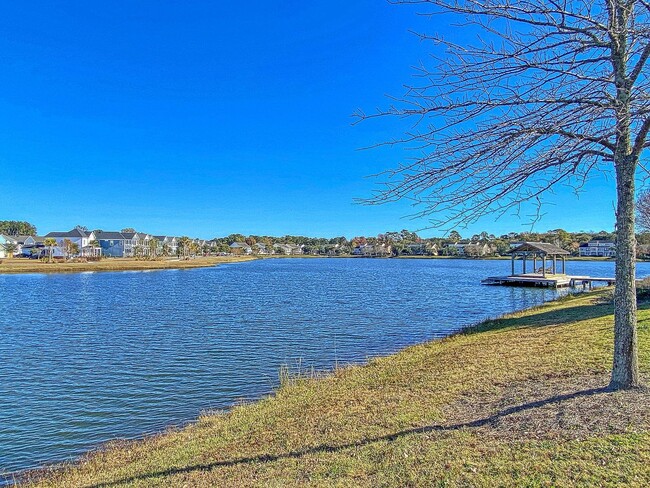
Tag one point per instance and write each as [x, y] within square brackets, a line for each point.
[18, 265]
[521, 400]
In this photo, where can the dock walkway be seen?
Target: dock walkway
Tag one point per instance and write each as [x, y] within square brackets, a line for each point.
[548, 280]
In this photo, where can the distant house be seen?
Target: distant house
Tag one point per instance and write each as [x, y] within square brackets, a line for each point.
[77, 236]
[18, 242]
[260, 248]
[136, 244]
[288, 248]
[605, 249]
[168, 243]
[457, 248]
[7, 242]
[477, 249]
[372, 250]
[3, 250]
[241, 247]
[422, 249]
[31, 245]
[111, 243]
[469, 249]
[147, 244]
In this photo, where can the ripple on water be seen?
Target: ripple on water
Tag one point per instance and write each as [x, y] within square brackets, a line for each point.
[85, 358]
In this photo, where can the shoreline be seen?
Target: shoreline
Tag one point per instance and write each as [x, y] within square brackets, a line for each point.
[26, 266]
[29, 266]
[55, 466]
[523, 322]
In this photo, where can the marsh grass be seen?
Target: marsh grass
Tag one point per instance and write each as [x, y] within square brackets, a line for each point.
[16, 265]
[517, 401]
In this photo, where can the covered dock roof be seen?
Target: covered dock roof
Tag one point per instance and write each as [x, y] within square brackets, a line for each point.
[539, 248]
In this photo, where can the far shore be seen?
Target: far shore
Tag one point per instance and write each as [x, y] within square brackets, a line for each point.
[21, 265]
[497, 258]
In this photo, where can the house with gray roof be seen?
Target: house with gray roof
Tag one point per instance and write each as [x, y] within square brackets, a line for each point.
[596, 248]
[136, 244]
[80, 237]
[111, 243]
[167, 245]
[241, 247]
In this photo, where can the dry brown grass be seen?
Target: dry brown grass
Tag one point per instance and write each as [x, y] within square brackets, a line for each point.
[20, 265]
[565, 407]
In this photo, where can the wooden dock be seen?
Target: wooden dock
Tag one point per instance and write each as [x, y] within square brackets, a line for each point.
[547, 281]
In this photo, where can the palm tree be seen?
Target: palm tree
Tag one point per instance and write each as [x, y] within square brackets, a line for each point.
[166, 250]
[153, 248]
[184, 246]
[10, 249]
[67, 248]
[50, 243]
[194, 248]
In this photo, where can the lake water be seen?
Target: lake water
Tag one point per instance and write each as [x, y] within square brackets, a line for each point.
[86, 358]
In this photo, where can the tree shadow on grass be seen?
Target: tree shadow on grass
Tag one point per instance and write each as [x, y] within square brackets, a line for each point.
[543, 318]
[329, 448]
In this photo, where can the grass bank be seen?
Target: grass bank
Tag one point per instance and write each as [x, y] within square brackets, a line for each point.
[519, 401]
[18, 265]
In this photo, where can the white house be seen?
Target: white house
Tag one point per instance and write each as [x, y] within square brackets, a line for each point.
[136, 243]
[477, 249]
[3, 242]
[287, 248]
[260, 248]
[457, 248]
[10, 246]
[81, 238]
[370, 250]
[170, 242]
[605, 249]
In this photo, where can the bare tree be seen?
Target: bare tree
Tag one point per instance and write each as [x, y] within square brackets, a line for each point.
[643, 210]
[552, 91]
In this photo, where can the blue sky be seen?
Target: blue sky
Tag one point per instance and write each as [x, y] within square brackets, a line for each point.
[209, 118]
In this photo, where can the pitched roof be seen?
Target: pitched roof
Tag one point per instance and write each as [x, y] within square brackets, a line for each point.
[10, 239]
[539, 247]
[110, 235]
[76, 232]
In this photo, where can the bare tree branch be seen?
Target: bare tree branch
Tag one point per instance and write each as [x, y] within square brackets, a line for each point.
[551, 91]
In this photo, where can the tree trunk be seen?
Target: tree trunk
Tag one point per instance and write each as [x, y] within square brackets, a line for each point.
[625, 372]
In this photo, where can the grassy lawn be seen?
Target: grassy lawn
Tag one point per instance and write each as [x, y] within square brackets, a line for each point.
[22, 265]
[518, 401]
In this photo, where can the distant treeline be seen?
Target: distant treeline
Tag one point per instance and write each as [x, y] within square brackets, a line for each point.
[401, 242]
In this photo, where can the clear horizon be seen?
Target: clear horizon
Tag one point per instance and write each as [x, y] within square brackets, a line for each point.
[207, 120]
